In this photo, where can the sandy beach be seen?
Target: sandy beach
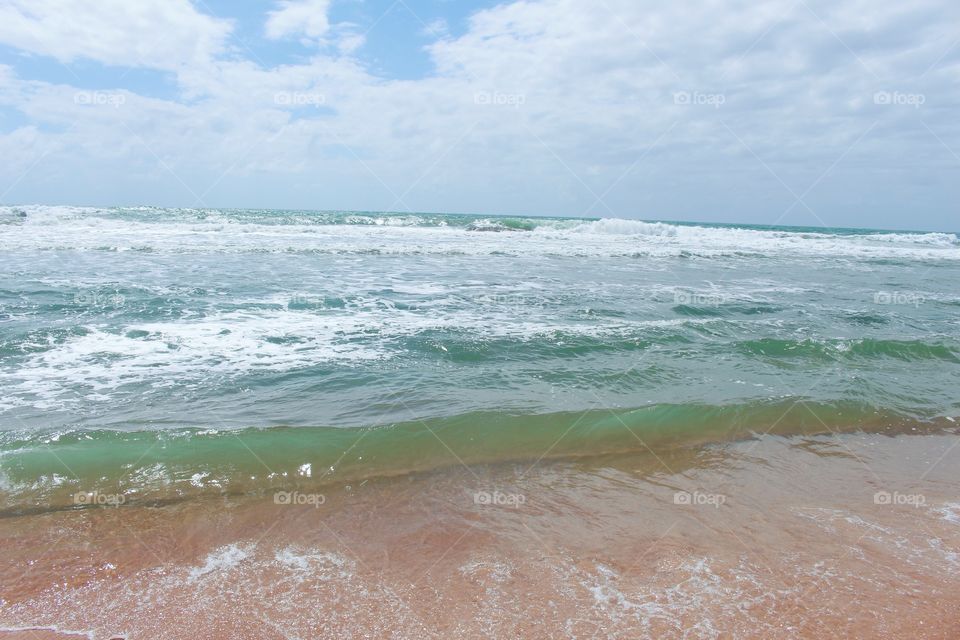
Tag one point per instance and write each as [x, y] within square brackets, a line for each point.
[792, 537]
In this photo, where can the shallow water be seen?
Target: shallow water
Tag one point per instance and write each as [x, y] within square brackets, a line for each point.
[787, 537]
[170, 324]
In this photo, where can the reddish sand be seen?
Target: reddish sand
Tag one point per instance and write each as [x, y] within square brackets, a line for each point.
[772, 538]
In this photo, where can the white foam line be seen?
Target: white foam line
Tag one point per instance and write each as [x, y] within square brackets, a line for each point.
[89, 229]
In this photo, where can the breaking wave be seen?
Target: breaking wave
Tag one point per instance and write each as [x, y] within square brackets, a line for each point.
[237, 231]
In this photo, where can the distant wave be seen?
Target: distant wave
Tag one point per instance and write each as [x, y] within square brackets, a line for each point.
[935, 239]
[237, 231]
[619, 226]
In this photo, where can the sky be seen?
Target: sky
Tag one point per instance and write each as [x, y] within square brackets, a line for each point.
[836, 113]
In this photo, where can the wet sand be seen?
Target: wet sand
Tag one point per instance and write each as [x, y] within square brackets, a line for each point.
[805, 537]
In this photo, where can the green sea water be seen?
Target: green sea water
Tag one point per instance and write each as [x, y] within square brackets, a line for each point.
[164, 352]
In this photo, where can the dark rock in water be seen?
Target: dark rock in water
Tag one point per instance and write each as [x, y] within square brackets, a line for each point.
[22, 214]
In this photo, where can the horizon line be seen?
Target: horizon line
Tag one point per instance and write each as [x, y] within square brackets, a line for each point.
[493, 215]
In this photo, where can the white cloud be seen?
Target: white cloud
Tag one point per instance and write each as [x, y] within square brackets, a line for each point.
[298, 17]
[162, 34]
[438, 28]
[541, 107]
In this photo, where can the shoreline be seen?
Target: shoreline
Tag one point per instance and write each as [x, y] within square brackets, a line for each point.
[80, 469]
[777, 535]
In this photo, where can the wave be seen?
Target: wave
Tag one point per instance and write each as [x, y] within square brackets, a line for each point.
[907, 350]
[48, 469]
[934, 239]
[617, 226]
[212, 230]
[385, 221]
[166, 336]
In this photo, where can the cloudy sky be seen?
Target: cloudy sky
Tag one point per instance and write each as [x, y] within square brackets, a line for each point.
[809, 112]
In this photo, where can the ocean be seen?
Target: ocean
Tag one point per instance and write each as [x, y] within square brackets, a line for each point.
[572, 374]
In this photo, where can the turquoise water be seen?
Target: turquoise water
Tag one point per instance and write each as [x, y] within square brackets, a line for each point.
[156, 346]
